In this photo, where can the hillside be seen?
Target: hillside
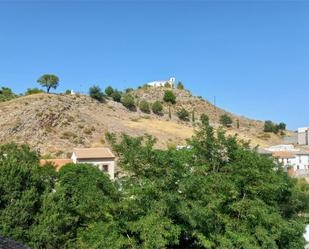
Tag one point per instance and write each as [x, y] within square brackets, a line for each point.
[54, 124]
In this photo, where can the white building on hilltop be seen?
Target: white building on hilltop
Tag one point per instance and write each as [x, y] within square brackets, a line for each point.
[160, 83]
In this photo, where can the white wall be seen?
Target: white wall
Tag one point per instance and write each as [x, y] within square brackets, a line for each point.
[99, 163]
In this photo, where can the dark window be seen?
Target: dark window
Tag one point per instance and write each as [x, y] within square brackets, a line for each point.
[105, 168]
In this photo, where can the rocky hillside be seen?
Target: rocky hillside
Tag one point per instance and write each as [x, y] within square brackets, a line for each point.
[55, 124]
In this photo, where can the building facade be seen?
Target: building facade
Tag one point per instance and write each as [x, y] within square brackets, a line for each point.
[161, 83]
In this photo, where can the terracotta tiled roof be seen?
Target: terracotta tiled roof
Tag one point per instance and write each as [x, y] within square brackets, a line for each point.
[57, 163]
[10, 244]
[92, 153]
[283, 154]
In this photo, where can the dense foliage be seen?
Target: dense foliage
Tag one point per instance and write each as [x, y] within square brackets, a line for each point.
[226, 120]
[95, 92]
[128, 101]
[183, 114]
[157, 107]
[109, 91]
[180, 85]
[269, 126]
[31, 91]
[6, 94]
[217, 194]
[116, 95]
[144, 106]
[49, 81]
[169, 97]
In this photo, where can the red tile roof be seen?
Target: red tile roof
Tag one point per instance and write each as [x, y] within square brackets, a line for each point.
[57, 163]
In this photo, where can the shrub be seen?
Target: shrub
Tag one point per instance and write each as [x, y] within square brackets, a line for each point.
[128, 90]
[109, 91]
[68, 92]
[6, 94]
[157, 107]
[183, 114]
[169, 97]
[144, 106]
[270, 126]
[204, 118]
[180, 86]
[226, 120]
[128, 101]
[95, 92]
[167, 85]
[282, 126]
[116, 95]
[33, 91]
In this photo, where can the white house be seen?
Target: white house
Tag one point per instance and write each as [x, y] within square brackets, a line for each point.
[295, 160]
[103, 158]
[303, 136]
[160, 83]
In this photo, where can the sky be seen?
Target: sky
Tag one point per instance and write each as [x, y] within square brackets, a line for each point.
[253, 56]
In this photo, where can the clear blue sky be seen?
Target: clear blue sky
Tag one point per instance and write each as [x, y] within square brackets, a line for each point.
[253, 56]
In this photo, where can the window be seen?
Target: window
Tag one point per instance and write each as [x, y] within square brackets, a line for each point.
[105, 168]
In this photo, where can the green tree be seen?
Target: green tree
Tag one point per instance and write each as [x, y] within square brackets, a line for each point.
[116, 95]
[217, 194]
[6, 94]
[95, 92]
[282, 126]
[128, 101]
[169, 97]
[144, 106]
[22, 184]
[49, 81]
[226, 120]
[183, 114]
[109, 91]
[157, 107]
[33, 91]
[180, 85]
[72, 206]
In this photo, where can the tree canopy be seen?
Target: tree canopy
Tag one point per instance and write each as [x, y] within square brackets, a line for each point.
[169, 97]
[216, 193]
[95, 92]
[6, 94]
[49, 81]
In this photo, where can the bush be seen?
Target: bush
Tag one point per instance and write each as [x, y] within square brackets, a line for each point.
[128, 101]
[116, 95]
[33, 91]
[144, 106]
[157, 107]
[282, 126]
[180, 86]
[204, 118]
[169, 97]
[6, 94]
[95, 92]
[167, 85]
[68, 92]
[128, 90]
[270, 126]
[183, 114]
[109, 91]
[226, 120]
